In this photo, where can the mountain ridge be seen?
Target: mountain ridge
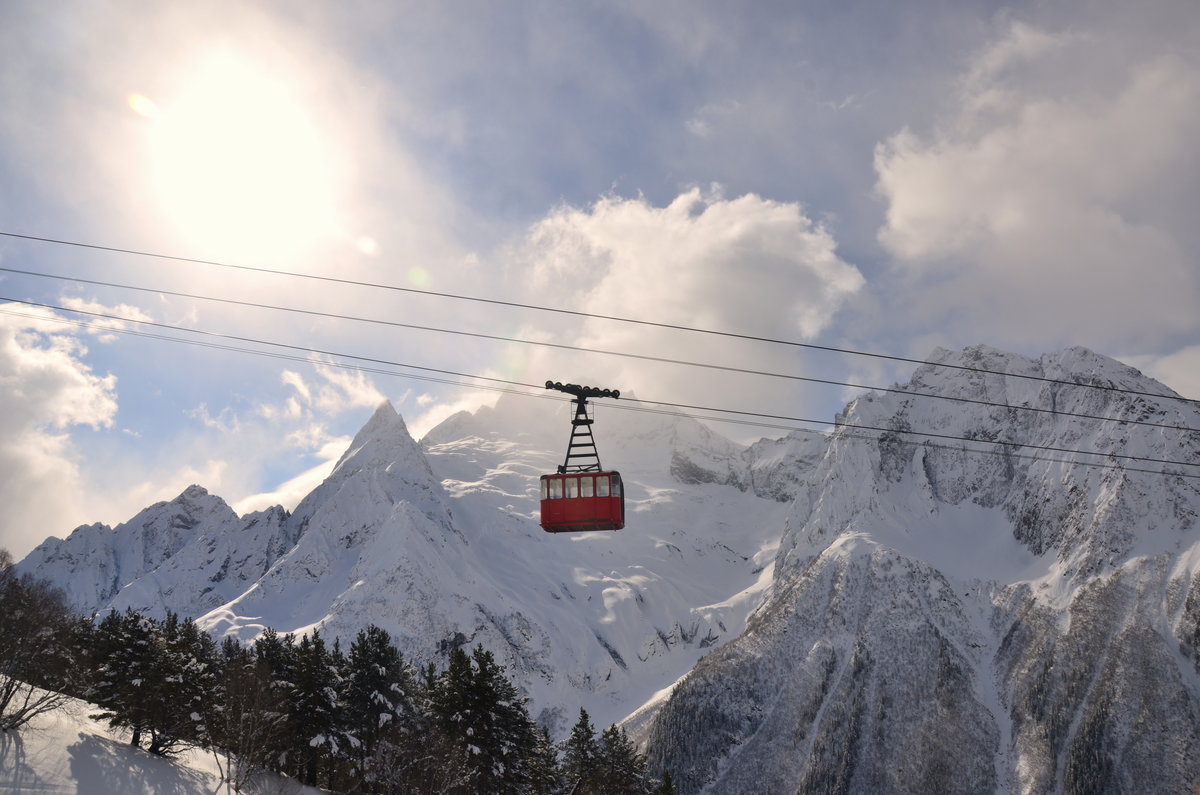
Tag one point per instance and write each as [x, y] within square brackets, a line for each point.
[765, 596]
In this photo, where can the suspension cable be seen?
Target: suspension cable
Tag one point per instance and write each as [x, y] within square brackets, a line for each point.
[757, 415]
[591, 315]
[600, 351]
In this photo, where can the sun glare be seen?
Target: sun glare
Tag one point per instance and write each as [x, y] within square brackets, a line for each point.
[142, 105]
[241, 162]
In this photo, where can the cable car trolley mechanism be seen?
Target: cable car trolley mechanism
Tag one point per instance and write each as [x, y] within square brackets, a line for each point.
[582, 496]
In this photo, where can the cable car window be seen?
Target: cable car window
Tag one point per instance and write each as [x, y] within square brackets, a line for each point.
[545, 490]
[602, 485]
[572, 488]
[616, 489]
[586, 486]
[556, 489]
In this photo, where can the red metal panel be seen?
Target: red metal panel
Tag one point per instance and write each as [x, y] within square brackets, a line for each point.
[581, 514]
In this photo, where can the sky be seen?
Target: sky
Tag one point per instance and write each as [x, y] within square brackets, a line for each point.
[871, 176]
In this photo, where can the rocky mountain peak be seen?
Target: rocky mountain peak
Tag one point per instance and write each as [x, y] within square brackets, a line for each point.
[384, 437]
[1040, 574]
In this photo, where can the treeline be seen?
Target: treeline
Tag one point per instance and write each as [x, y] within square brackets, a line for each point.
[356, 720]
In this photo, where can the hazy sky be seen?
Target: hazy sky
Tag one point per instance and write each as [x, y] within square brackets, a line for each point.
[879, 176]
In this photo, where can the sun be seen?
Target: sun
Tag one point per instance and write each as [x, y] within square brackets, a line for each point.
[241, 163]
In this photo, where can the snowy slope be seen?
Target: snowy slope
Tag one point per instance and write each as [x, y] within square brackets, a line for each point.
[66, 751]
[611, 618]
[439, 544]
[943, 620]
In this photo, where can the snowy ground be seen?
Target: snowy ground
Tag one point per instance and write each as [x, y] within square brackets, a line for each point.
[65, 751]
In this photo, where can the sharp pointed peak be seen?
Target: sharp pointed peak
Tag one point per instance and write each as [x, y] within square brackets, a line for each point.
[385, 409]
[384, 419]
[383, 432]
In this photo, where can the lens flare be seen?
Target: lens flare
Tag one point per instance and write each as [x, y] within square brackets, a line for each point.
[418, 277]
[368, 246]
[142, 105]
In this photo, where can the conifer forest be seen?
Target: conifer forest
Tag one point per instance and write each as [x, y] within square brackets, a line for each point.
[346, 719]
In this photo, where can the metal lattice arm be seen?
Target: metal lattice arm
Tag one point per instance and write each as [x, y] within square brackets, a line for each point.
[582, 455]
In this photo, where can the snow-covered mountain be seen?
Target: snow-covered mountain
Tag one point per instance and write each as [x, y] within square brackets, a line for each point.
[948, 621]
[438, 543]
[845, 612]
[188, 555]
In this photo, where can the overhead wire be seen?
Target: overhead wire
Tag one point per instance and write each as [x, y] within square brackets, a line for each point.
[844, 431]
[838, 426]
[240, 338]
[590, 315]
[600, 351]
[287, 357]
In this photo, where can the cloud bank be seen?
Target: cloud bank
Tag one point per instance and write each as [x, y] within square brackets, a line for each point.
[1051, 206]
[747, 265]
[45, 391]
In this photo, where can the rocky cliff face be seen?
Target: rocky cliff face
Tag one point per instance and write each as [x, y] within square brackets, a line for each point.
[949, 616]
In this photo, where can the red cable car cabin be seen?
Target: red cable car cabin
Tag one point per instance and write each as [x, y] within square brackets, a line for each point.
[580, 501]
[582, 496]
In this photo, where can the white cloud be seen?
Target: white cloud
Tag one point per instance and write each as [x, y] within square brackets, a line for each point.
[340, 389]
[438, 411]
[45, 385]
[45, 390]
[1051, 207]
[302, 423]
[746, 265]
[100, 317]
[289, 493]
[296, 381]
[236, 447]
[148, 485]
[226, 420]
[712, 117]
[345, 389]
[269, 146]
[1179, 370]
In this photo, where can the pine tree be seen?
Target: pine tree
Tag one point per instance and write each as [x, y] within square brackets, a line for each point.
[581, 757]
[153, 678]
[453, 708]
[510, 737]
[314, 708]
[184, 666]
[125, 670]
[278, 654]
[426, 758]
[277, 657]
[666, 786]
[545, 772]
[621, 769]
[479, 709]
[378, 698]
